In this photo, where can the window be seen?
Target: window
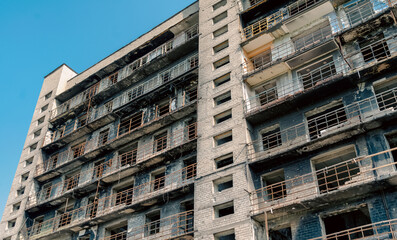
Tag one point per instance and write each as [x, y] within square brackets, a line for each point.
[221, 46]
[312, 37]
[221, 117]
[11, 223]
[28, 161]
[220, 31]
[118, 232]
[358, 11]
[152, 225]
[46, 192]
[267, 93]
[100, 167]
[225, 97]
[130, 123]
[37, 133]
[160, 142]
[191, 129]
[375, 48]
[158, 180]
[331, 177]
[108, 107]
[351, 218]
[224, 160]
[40, 120]
[82, 120]
[223, 183]
[280, 233]
[386, 93]
[103, 137]
[224, 209]
[222, 79]
[322, 119]
[125, 195]
[219, 17]
[163, 108]
[33, 147]
[223, 138]
[24, 177]
[65, 216]
[78, 150]
[48, 95]
[92, 207]
[44, 108]
[16, 207]
[392, 140]
[189, 169]
[113, 78]
[226, 235]
[219, 4]
[271, 137]
[274, 187]
[20, 191]
[128, 157]
[221, 62]
[71, 181]
[317, 72]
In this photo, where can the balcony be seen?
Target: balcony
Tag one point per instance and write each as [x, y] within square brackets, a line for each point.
[282, 58]
[116, 203]
[178, 226]
[330, 184]
[105, 113]
[68, 160]
[324, 127]
[264, 30]
[105, 85]
[282, 92]
[379, 230]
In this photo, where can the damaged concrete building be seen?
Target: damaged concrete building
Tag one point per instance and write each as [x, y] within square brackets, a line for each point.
[233, 119]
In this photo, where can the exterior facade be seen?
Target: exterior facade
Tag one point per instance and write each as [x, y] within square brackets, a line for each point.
[233, 119]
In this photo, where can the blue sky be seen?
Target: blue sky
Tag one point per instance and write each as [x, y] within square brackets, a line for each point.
[38, 36]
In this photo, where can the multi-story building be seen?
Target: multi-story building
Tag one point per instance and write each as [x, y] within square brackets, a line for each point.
[233, 119]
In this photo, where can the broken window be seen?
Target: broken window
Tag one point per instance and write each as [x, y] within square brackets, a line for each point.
[24, 177]
[65, 216]
[78, 150]
[220, 31]
[46, 192]
[37, 225]
[190, 94]
[113, 78]
[226, 235]
[223, 138]
[316, 72]
[274, 187]
[261, 59]
[101, 167]
[158, 180]
[152, 225]
[163, 108]
[299, 6]
[103, 137]
[92, 207]
[186, 220]
[271, 137]
[222, 80]
[375, 48]
[135, 92]
[125, 195]
[108, 107]
[280, 234]
[386, 94]
[224, 160]
[71, 181]
[160, 142]
[223, 183]
[221, 62]
[224, 209]
[165, 76]
[191, 129]
[312, 37]
[129, 124]
[219, 17]
[392, 140]
[82, 120]
[348, 219]
[53, 161]
[322, 119]
[189, 169]
[221, 117]
[267, 93]
[118, 232]
[331, 169]
[221, 46]
[129, 157]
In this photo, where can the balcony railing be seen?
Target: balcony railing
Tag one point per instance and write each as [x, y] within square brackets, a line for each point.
[277, 17]
[114, 202]
[340, 176]
[325, 124]
[176, 138]
[304, 82]
[379, 230]
[125, 72]
[171, 227]
[129, 96]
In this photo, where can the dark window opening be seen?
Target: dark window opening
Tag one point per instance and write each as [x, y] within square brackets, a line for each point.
[103, 137]
[274, 185]
[221, 80]
[224, 161]
[125, 195]
[118, 233]
[223, 138]
[129, 157]
[271, 138]
[280, 234]
[160, 142]
[316, 73]
[224, 209]
[71, 181]
[152, 223]
[130, 124]
[158, 180]
[375, 49]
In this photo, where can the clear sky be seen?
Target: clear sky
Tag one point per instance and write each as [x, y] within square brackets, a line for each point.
[37, 36]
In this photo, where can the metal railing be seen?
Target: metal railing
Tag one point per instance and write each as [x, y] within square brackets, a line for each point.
[174, 139]
[130, 95]
[114, 202]
[323, 125]
[171, 227]
[304, 82]
[277, 17]
[379, 230]
[125, 72]
[339, 176]
[286, 50]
